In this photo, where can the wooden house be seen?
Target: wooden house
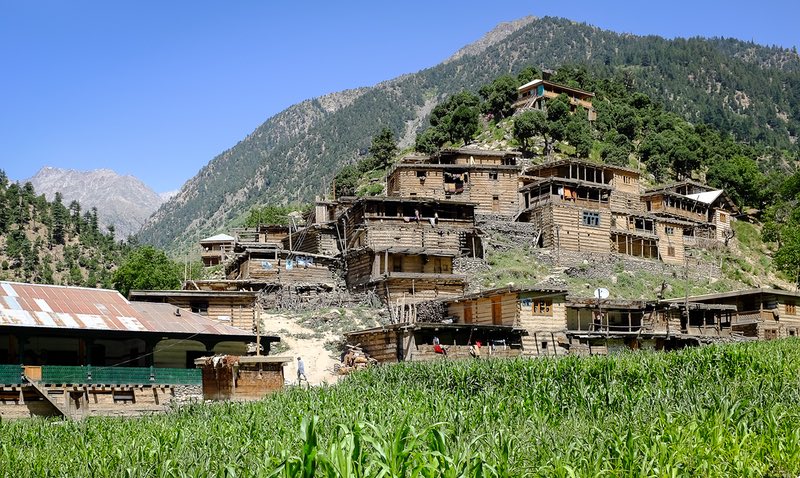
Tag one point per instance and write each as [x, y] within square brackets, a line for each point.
[264, 267]
[78, 352]
[762, 313]
[601, 326]
[216, 249]
[403, 248]
[583, 206]
[539, 311]
[490, 179]
[233, 307]
[319, 239]
[535, 94]
[708, 212]
[570, 214]
[406, 342]
[264, 234]
[229, 377]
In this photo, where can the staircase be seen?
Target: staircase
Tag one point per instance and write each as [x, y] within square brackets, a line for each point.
[64, 412]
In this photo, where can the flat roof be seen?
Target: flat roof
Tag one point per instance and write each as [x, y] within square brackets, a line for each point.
[738, 293]
[540, 81]
[218, 238]
[79, 308]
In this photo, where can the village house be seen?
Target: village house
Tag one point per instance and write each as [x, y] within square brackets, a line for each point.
[241, 378]
[403, 248]
[216, 249]
[574, 203]
[233, 307]
[763, 313]
[706, 212]
[490, 179]
[586, 207]
[602, 326]
[507, 321]
[76, 351]
[414, 342]
[534, 95]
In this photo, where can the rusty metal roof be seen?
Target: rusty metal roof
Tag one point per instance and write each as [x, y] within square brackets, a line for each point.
[61, 307]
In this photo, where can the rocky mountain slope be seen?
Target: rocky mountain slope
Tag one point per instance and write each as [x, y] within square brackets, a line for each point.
[122, 201]
[749, 90]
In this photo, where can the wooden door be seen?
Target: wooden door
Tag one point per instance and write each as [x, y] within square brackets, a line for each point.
[468, 312]
[497, 311]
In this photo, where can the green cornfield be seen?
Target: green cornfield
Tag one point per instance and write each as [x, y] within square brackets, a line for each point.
[727, 410]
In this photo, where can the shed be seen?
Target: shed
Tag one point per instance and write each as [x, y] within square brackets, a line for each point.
[231, 377]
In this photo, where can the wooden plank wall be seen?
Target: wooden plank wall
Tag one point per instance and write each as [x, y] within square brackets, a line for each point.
[482, 312]
[479, 188]
[416, 236]
[574, 236]
[359, 269]
[674, 240]
[722, 225]
[240, 310]
[311, 274]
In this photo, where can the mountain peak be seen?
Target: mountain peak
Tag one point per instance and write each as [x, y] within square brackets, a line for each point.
[493, 37]
[122, 201]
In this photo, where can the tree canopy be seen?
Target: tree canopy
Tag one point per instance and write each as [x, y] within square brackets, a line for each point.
[147, 268]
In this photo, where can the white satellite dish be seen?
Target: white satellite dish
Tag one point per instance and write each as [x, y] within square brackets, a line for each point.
[601, 293]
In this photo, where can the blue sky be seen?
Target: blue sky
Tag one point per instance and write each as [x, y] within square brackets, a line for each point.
[156, 89]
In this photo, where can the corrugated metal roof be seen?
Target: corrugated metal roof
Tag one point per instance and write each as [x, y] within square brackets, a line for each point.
[61, 307]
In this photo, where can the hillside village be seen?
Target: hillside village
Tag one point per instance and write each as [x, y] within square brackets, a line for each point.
[402, 276]
[415, 250]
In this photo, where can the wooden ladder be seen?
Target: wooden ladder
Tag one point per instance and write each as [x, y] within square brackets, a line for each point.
[43, 393]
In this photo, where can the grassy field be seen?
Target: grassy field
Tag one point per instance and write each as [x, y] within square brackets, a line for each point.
[717, 411]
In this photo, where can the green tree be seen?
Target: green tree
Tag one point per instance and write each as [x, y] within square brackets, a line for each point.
[787, 257]
[147, 268]
[464, 124]
[579, 134]
[740, 178]
[529, 124]
[346, 181]
[384, 147]
[499, 97]
[430, 141]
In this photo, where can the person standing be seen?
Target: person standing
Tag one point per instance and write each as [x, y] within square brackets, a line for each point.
[301, 371]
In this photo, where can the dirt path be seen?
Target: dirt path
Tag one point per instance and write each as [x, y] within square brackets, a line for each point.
[302, 342]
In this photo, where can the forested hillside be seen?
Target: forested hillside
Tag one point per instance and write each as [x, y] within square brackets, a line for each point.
[748, 90]
[52, 243]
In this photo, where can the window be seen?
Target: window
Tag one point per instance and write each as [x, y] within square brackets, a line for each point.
[669, 230]
[791, 309]
[199, 307]
[770, 334]
[493, 175]
[542, 307]
[422, 174]
[591, 218]
[627, 179]
[671, 251]
[723, 217]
